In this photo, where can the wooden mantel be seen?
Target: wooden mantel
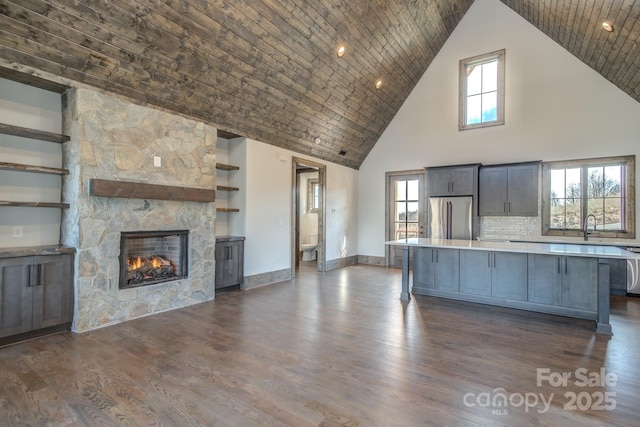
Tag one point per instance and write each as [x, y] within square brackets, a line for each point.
[139, 190]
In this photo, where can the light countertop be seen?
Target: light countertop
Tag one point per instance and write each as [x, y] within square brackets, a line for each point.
[583, 250]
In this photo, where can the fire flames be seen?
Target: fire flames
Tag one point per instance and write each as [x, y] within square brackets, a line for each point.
[136, 263]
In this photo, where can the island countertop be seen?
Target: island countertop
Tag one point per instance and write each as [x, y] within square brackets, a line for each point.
[566, 249]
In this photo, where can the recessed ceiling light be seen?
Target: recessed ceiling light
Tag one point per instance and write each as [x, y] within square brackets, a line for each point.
[316, 140]
[607, 26]
[378, 84]
[341, 50]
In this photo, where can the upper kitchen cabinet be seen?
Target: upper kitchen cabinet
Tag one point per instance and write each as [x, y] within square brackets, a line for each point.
[509, 190]
[452, 180]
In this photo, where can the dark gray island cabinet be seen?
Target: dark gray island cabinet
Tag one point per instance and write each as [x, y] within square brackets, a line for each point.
[562, 279]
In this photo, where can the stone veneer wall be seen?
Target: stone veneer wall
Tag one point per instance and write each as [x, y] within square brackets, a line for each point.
[113, 139]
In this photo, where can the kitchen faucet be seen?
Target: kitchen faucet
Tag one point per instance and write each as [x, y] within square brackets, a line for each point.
[585, 227]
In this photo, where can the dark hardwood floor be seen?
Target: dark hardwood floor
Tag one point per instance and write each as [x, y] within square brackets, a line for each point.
[333, 349]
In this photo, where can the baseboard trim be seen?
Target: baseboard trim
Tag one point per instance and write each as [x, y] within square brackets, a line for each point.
[341, 262]
[372, 260]
[268, 278]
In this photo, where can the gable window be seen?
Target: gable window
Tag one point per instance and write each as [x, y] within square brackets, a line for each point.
[482, 91]
[576, 189]
[313, 195]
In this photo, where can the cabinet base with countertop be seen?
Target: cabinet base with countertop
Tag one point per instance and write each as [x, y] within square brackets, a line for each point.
[36, 292]
[562, 279]
[229, 262]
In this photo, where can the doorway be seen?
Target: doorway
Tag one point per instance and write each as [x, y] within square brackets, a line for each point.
[307, 217]
[405, 210]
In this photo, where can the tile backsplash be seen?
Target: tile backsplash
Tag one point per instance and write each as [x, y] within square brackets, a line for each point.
[509, 227]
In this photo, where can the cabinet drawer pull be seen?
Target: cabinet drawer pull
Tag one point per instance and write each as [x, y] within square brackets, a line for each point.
[558, 265]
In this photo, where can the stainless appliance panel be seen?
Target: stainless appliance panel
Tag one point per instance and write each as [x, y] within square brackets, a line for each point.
[450, 217]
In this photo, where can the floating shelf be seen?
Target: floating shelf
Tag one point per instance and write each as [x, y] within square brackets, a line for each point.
[227, 209]
[225, 188]
[32, 133]
[141, 190]
[35, 204]
[32, 168]
[225, 167]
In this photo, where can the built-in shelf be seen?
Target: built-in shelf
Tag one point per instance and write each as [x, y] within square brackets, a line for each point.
[32, 168]
[34, 204]
[33, 133]
[225, 167]
[227, 210]
[225, 188]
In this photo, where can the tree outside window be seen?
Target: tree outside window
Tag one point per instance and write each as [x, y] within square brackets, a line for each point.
[596, 187]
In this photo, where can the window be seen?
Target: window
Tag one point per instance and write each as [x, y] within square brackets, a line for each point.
[406, 210]
[482, 91]
[599, 187]
[313, 195]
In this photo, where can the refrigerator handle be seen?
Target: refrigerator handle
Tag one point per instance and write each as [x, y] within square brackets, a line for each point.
[449, 219]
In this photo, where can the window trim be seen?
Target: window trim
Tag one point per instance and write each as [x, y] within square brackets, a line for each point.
[310, 205]
[462, 101]
[629, 205]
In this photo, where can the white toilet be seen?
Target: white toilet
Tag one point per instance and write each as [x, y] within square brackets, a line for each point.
[309, 249]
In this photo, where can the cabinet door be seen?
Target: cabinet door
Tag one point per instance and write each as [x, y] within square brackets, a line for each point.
[545, 279]
[462, 181]
[509, 276]
[223, 252]
[15, 296]
[580, 283]
[493, 191]
[523, 190]
[439, 182]
[52, 285]
[447, 269]
[229, 264]
[234, 265]
[475, 272]
[423, 268]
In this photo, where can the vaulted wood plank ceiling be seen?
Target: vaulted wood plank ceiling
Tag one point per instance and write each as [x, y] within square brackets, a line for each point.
[269, 70]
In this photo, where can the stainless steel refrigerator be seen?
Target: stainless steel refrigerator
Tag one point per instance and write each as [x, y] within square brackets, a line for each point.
[450, 217]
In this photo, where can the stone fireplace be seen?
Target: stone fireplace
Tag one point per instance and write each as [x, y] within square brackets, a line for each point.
[152, 257]
[116, 141]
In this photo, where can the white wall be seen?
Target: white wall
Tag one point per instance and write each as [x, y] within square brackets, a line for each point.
[30, 107]
[267, 212]
[557, 108]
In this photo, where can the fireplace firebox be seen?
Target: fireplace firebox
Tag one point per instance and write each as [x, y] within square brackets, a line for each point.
[152, 257]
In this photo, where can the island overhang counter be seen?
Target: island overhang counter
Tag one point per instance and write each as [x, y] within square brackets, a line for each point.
[556, 278]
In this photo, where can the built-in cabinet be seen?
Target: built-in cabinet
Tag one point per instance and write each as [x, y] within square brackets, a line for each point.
[36, 293]
[496, 274]
[563, 281]
[452, 180]
[229, 261]
[436, 268]
[509, 190]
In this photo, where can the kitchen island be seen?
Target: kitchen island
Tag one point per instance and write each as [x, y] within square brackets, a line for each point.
[563, 279]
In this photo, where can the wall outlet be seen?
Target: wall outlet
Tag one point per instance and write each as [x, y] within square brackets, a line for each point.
[157, 161]
[18, 231]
